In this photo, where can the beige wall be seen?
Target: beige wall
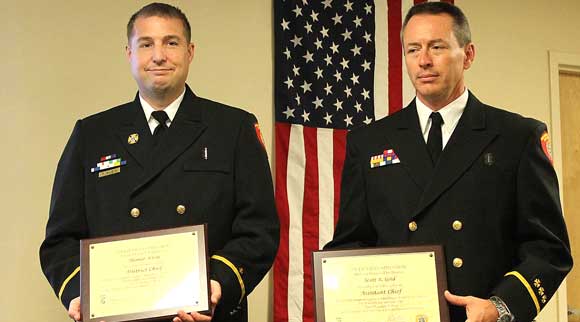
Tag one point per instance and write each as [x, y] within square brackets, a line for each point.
[62, 60]
[512, 40]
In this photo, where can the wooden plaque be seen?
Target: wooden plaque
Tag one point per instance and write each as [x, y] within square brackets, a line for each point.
[381, 284]
[146, 275]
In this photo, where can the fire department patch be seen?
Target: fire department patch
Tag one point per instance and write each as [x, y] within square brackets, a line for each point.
[547, 146]
[259, 134]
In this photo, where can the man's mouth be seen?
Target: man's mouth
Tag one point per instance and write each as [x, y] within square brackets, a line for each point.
[427, 77]
[159, 70]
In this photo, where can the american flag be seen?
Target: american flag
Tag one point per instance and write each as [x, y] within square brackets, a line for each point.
[338, 65]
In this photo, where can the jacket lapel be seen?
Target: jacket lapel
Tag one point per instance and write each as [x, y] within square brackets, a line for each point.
[185, 128]
[134, 126]
[409, 145]
[467, 142]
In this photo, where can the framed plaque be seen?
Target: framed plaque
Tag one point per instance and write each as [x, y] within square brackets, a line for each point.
[381, 284]
[144, 276]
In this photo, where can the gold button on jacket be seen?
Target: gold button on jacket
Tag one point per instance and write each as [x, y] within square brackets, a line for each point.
[457, 225]
[413, 226]
[135, 212]
[180, 209]
[457, 262]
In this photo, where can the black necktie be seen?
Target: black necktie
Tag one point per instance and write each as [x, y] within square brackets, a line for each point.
[162, 118]
[435, 139]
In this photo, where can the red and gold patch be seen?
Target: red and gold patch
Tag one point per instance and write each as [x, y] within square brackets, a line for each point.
[259, 134]
[547, 146]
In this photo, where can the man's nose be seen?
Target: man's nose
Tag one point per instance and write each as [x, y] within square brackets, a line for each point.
[159, 55]
[425, 59]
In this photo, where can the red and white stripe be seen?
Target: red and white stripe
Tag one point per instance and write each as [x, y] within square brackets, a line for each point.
[308, 173]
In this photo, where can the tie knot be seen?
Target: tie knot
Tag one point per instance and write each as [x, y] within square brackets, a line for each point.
[436, 119]
[161, 117]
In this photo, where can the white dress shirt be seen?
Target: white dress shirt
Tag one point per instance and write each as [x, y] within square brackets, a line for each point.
[450, 114]
[170, 109]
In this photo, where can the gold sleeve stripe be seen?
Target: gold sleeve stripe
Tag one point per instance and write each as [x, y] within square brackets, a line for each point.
[528, 287]
[236, 272]
[75, 272]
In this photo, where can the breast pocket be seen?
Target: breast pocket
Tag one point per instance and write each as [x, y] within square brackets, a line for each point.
[206, 185]
[202, 165]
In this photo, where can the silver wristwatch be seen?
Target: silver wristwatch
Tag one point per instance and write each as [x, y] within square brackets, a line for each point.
[504, 313]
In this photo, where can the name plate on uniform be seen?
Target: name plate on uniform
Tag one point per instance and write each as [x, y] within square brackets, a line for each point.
[145, 275]
[381, 284]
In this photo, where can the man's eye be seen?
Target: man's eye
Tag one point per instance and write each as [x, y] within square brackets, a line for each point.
[173, 43]
[145, 45]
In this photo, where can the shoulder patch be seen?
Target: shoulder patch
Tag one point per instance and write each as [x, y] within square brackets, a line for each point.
[259, 134]
[546, 146]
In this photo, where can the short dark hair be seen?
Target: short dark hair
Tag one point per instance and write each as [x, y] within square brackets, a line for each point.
[460, 24]
[157, 9]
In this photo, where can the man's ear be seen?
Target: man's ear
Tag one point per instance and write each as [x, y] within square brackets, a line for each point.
[190, 51]
[128, 52]
[469, 55]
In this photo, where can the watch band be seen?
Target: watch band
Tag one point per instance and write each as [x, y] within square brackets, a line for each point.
[504, 312]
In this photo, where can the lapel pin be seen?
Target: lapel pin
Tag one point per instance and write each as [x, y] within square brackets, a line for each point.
[488, 159]
[133, 138]
[205, 153]
[387, 158]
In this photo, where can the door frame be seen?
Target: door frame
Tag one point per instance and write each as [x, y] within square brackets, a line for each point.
[559, 61]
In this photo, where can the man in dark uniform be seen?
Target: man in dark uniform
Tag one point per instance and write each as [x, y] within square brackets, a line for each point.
[450, 170]
[167, 159]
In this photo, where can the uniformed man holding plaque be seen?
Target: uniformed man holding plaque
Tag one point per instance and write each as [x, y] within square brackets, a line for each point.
[167, 159]
[477, 179]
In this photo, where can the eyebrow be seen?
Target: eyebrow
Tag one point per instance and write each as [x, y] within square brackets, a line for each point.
[431, 42]
[165, 38]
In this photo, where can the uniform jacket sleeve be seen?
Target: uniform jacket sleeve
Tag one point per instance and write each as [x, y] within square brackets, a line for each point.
[59, 253]
[244, 260]
[543, 256]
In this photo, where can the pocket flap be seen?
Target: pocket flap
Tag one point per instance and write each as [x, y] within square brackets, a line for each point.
[202, 165]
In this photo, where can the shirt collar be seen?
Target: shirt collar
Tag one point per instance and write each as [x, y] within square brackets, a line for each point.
[170, 109]
[450, 113]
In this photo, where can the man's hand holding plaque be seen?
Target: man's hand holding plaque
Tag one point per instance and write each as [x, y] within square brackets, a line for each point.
[216, 294]
[477, 309]
[74, 309]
